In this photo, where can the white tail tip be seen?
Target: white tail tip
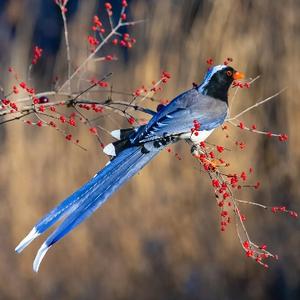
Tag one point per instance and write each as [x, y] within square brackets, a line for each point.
[110, 150]
[39, 257]
[33, 234]
[116, 134]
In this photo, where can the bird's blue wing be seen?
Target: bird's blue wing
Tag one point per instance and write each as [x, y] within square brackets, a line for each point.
[178, 116]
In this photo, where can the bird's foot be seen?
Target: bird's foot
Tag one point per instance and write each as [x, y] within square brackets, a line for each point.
[196, 150]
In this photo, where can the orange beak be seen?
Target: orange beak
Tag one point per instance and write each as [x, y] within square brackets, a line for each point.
[238, 75]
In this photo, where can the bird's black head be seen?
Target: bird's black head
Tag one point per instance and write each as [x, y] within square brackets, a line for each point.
[218, 80]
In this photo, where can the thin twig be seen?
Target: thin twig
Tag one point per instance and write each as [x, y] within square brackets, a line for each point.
[253, 130]
[89, 57]
[255, 105]
[58, 130]
[66, 34]
[88, 122]
[236, 91]
[47, 93]
[251, 203]
[90, 87]
[103, 42]
[110, 20]
[15, 118]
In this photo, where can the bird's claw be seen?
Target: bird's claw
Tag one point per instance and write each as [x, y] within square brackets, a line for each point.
[196, 150]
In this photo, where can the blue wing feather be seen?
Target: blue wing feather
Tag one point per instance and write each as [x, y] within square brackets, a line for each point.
[178, 116]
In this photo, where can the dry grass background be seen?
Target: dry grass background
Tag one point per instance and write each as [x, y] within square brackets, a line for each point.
[158, 237]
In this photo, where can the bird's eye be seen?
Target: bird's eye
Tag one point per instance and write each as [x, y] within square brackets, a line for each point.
[229, 73]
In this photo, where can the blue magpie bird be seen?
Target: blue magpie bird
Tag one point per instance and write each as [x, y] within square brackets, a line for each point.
[206, 103]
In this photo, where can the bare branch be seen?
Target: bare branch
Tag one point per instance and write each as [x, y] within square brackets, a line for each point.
[254, 130]
[236, 91]
[252, 203]
[66, 34]
[255, 105]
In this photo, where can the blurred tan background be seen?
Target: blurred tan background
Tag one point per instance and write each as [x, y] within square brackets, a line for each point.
[158, 237]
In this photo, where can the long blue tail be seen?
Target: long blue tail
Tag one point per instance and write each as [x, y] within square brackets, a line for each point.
[81, 204]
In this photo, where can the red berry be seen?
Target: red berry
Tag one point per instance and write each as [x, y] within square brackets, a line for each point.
[108, 6]
[246, 244]
[93, 130]
[131, 120]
